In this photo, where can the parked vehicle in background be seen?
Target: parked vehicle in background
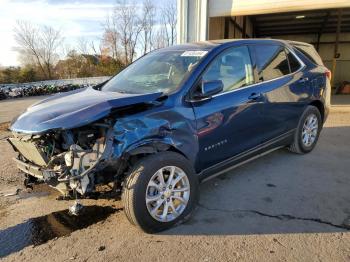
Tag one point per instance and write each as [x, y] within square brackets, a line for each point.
[173, 118]
[48, 87]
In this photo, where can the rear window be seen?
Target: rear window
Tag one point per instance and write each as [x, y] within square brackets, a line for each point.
[310, 53]
[271, 61]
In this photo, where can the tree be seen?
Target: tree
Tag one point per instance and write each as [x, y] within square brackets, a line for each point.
[111, 36]
[169, 20]
[148, 20]
[135, 28]
[122, 31]
[38, 44]
[27, 74]
[10, 75]
[159, 39]
[83, 45]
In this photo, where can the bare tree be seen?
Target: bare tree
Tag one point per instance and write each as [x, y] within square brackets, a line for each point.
[169, 20]
[39, 44]
[83, 45]
[50, 40]
[148, 20]
[130, 27]
[159, 39]
[111, 35]
[122, 31]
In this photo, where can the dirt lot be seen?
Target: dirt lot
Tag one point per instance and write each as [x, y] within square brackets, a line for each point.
[13, 107]
[281, 207]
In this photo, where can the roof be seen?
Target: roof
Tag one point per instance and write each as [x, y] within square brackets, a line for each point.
[208, 45]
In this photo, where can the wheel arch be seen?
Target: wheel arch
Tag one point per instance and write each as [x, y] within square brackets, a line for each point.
[319, 105]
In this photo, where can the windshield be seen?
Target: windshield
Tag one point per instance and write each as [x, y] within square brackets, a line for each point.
[159, 71]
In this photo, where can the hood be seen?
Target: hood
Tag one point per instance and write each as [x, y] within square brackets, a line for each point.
[74, 109]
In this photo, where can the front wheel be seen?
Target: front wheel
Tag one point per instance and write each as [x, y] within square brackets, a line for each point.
[160, 191]
[307, 132]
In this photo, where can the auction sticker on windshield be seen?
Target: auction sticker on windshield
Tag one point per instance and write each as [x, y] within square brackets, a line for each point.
[194, 53]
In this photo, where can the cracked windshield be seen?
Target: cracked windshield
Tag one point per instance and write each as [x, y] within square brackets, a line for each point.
[160, 71]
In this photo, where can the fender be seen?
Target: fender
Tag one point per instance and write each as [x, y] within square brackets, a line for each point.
[153, 146]
[152, 133]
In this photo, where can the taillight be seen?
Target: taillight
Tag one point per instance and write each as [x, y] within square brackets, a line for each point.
[328, 74]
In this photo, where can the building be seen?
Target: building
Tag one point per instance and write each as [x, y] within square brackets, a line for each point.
[324, 23]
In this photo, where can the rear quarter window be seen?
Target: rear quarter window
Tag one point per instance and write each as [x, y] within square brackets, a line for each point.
[310, 52]
[271, 61]
[293, 62]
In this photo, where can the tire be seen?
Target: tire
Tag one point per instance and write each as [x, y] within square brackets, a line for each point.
[138, 187]
[298, 146]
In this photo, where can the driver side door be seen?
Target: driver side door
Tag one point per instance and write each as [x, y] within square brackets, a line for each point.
[229, 122]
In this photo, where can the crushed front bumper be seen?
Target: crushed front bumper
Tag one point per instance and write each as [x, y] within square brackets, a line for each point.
[34, 170]
[29, 150]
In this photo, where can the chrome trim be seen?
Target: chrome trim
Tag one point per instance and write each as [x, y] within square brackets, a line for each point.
[249, 151]
[241, 163]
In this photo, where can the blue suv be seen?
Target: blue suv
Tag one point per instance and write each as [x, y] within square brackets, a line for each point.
[173, 118]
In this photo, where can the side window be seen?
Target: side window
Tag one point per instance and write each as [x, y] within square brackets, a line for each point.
[293, 62]
[233, 67]
[271, 62]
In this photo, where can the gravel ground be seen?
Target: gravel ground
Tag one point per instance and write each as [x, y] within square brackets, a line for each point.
[281, 207]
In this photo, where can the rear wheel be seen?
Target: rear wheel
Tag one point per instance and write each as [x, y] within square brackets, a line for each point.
[160, 191]
[307, 132]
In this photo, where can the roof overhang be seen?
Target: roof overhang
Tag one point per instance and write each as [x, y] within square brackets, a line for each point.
[255, 7]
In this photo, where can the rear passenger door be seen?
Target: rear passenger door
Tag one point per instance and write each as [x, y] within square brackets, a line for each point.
[284, 87]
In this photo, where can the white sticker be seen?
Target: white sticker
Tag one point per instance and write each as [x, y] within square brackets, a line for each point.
[194, 53]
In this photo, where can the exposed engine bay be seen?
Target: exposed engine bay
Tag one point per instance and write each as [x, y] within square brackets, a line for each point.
[66, 159]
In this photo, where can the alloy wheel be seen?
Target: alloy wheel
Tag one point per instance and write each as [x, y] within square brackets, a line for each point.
[310, 130]
[167, 193]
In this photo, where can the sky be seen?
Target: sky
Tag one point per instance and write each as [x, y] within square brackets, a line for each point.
[75, 18]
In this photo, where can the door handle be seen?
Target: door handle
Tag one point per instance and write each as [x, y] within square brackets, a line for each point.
[255, 96]
[303, 80]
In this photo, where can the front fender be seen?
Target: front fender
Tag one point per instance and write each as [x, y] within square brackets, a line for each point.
[157, 132]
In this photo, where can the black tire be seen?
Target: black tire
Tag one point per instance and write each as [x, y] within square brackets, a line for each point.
[135, 186]
[298, 146]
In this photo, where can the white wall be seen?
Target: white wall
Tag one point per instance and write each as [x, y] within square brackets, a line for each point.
[192, 20]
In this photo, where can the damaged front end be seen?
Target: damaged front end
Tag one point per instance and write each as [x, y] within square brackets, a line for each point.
[67, 139]
[66, 159]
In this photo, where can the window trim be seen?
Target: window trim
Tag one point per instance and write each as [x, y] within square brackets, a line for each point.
[287, 51]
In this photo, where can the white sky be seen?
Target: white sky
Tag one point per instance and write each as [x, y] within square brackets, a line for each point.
[75, 18]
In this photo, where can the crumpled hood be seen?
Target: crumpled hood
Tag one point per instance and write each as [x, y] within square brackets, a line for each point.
[74, 109]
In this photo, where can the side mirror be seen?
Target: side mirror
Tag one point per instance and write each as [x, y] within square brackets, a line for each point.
[210, 88]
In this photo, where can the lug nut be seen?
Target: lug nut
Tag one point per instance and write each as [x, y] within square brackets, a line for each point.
[169, 187]
[168, 199]
[162, 197]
